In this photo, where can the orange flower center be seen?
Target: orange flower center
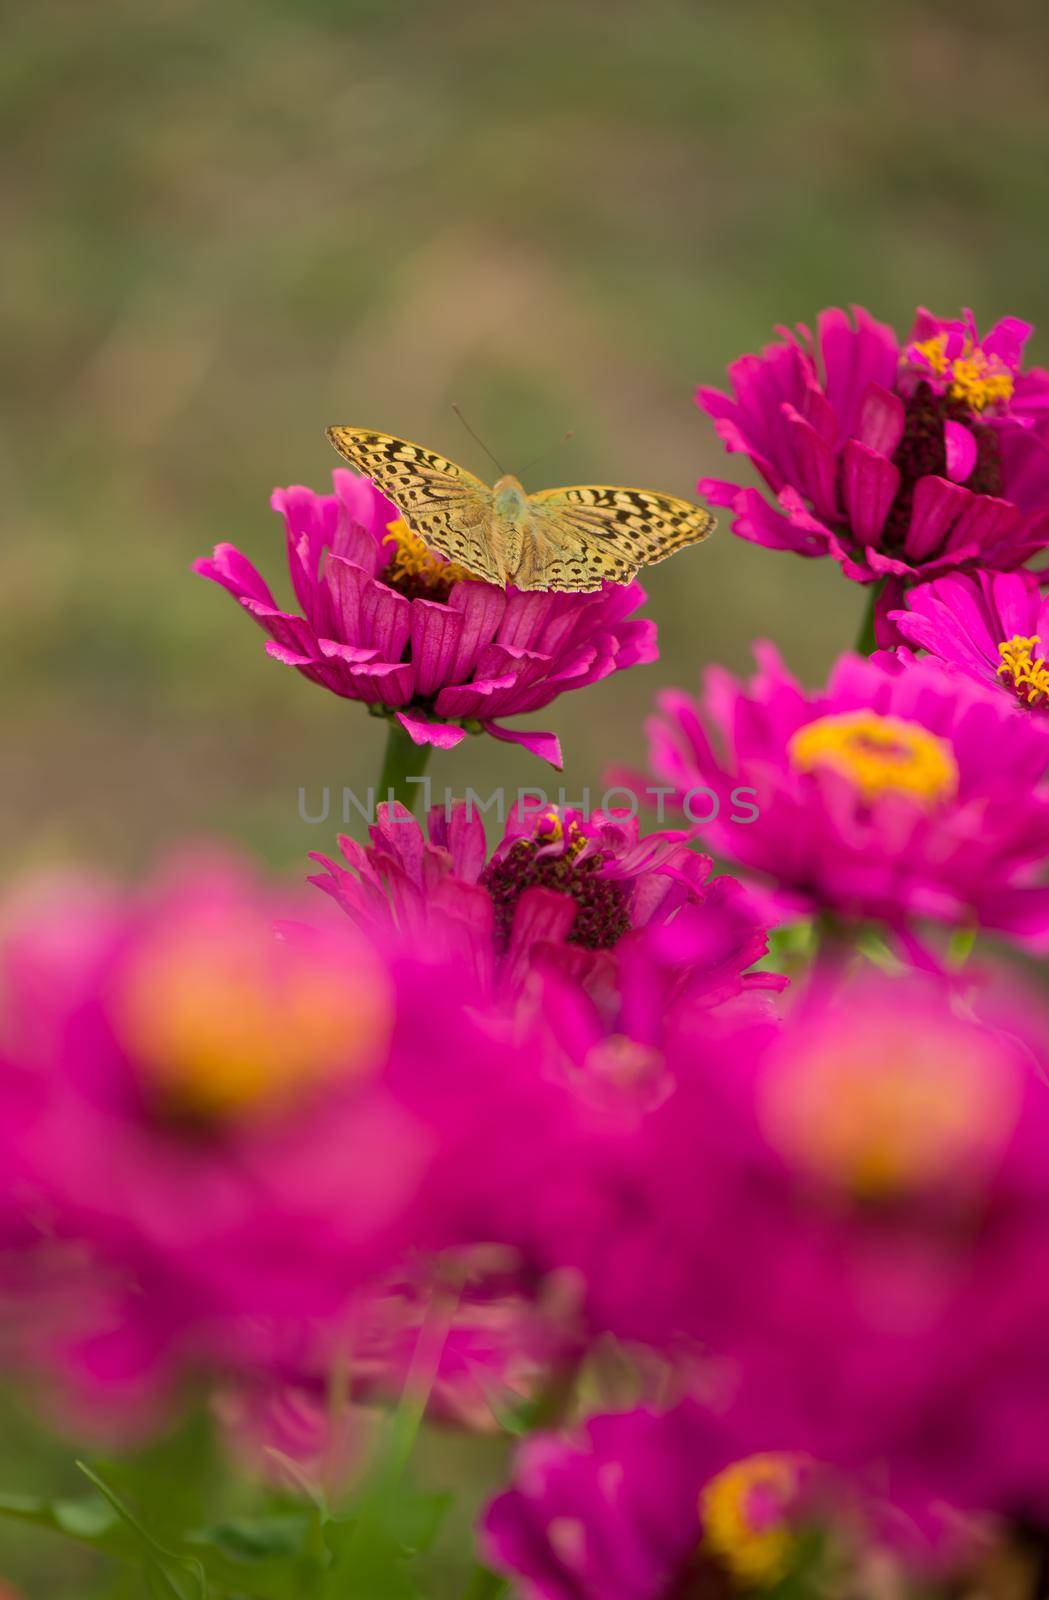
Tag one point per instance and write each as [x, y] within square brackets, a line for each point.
[885, 1114]
[228, 1020]
[415, 569]
[745, 1512]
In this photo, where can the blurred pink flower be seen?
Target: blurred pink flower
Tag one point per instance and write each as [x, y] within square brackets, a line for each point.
[900, 792]
[560, 886]
[222, 1125]
[386, 622]
[644, 1505]
[899, 462]
[849, 1214]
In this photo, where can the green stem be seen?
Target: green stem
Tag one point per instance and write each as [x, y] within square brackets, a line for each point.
[866, 644]
[403, 760]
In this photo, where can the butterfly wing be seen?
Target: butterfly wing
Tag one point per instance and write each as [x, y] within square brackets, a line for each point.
[590, 532]
[450, 509]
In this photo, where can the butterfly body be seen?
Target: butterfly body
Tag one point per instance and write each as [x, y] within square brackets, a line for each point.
[572, 539]
[510, 504]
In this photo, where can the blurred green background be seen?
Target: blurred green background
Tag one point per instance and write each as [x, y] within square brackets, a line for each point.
[228, 225]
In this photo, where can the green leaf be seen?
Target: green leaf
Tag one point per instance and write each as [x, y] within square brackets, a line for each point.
[267, 1557]
[256, 1538]
[91, 1521]
[182, 1577]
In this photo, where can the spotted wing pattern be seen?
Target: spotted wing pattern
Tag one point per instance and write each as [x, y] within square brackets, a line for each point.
[590, 532]
[445, 505]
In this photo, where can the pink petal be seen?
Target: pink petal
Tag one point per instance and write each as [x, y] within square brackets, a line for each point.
[234, 572]
[436, 630]
[545, 745]
[1007, 339]
[524, 619]
[462, 834]
[817, 410]
[961, 451]
[815, 463]
[854, 358]
[760, 523]
[868, 485]
[284, 626]
[541, 916]
[290, 658]
[386, 619]
[481, 607]
[387, 683]
[718, 491]
[936, 505]
[473, 699]
[344, 582]
[881, 418]
[352, 654]
[309, 521]
[441, 734]
[984, 522]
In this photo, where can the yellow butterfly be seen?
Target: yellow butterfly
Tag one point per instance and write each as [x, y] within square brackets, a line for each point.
[557, 539]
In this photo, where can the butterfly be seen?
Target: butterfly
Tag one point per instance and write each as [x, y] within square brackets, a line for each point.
[569, 539]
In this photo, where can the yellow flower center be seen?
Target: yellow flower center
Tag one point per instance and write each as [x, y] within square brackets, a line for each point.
[880, 755]
[414, 567]
[977, 379]
[228, 1020]
[882, 1114]
[1027, 673]
[745, 1512]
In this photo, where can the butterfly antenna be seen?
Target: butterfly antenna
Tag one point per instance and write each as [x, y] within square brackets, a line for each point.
[543, 454]
[480, 441]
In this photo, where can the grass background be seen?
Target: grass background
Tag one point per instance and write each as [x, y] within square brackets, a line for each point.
[229, 224]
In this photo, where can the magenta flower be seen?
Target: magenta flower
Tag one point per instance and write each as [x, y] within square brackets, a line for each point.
[559, 885]
[644, 1505]
[222, 1126]
[385, 621]
[901, 463]
[855, 1207]
[990, 626]
[898, 793]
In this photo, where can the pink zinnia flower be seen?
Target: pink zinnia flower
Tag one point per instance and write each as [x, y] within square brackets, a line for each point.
[235, 1122]
[900, 462]
[385, 621]
[854, 1209]
[992, 626]
[645, 1505]
[898, 793]
[560, 884]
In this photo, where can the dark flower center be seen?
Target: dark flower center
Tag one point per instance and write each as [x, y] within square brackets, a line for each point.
[701, 1579]
[602, 913]
[922, 452]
